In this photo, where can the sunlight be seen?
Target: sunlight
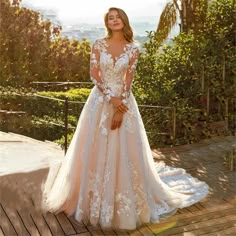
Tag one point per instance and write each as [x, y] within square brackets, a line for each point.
[73, 9]
[160, 228]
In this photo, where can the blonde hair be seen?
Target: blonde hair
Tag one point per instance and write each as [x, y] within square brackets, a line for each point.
[127, 30]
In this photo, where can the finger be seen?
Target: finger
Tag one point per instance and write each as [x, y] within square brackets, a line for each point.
[113, 125]
[116, 124]
[119, 104]
[122, 109]
[125, 107]
[119, 125]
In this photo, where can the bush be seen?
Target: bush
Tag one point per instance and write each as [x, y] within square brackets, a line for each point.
[180, 74]
[45, 117]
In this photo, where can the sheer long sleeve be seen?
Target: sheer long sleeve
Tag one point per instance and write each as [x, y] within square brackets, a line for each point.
[134, 53]
[95, 73]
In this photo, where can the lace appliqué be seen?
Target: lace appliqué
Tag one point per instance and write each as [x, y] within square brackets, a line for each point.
[79, 211]
[129, 121]
[127, 84]
[134, 52]
[160, 209]
[141, 201]
[107, 210]
[124, 204]
[95, 70]
[95, 198]
[101, 125]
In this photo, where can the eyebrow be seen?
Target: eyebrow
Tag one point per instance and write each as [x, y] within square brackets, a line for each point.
[113, 16]
[116, 14]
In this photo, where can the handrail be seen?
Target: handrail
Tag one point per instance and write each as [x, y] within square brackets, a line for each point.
[66, 108]
[66, 125]
[52, 98]
[45, 82]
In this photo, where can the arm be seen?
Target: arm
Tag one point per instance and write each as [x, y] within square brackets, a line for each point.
[95, 73]
[134, 53]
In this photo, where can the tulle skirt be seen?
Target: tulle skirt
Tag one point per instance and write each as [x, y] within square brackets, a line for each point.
[108, 177]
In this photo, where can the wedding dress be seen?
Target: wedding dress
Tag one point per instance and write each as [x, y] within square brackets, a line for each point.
[109, 177]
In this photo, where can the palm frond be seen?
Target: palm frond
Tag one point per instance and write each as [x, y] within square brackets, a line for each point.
[176, 4]
[167, 21]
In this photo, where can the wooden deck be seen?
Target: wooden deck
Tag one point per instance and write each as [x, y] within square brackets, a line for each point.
[20, 212]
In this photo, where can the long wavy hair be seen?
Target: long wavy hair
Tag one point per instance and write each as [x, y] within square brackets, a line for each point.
[127, 30]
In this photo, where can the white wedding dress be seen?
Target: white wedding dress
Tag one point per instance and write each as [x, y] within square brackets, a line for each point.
[109, 177]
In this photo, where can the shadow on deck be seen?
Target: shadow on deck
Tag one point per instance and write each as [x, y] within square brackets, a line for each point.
[20, 197]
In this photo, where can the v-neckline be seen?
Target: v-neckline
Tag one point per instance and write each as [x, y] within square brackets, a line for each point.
[115, 59]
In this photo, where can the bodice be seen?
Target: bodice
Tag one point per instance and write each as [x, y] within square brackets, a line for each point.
[113, 70]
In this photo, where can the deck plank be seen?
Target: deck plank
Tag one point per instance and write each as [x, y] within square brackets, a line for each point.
[41, 224]
[95, 231]
[79, 227]
[219, 228]
[135, 233]
[145, 230]
[65, 224]
[21, 213]
[28, 222]
[229, 231]
[109, 232]
[201, 227]
[53, 224]
[16, 221]
[7, 227]
[121, 232]
[83, 234]
[213, 210]
[1, 232]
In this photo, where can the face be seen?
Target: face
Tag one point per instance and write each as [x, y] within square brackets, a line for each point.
[114, 22]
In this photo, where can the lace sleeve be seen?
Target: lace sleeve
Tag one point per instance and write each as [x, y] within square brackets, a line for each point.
[95, 73]
[134, 53]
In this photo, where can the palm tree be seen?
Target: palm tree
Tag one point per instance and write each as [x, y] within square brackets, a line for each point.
[185, 9]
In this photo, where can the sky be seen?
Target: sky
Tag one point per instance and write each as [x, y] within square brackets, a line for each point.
[68, 11]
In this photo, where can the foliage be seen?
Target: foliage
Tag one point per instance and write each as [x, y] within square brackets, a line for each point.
[80, 95]
[31, 49]
[191, 13]
[46, 123]
[180, 74]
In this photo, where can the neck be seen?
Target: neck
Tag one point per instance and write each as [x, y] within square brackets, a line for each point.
[117, 36]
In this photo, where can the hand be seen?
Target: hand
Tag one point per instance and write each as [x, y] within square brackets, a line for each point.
[117, 103]
[117, 120]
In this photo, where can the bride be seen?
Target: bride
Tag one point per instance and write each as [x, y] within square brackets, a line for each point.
[108, 175]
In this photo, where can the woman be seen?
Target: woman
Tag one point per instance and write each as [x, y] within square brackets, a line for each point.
[108, 175]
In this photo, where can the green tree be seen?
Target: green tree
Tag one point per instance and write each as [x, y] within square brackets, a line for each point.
[181, 74]
[32, 49]
[187, 10]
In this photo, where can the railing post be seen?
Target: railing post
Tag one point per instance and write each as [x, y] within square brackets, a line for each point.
[66, 123]
[227, 114]
[203, 79]
[208, 103]
[174, 125]
[223, 70]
